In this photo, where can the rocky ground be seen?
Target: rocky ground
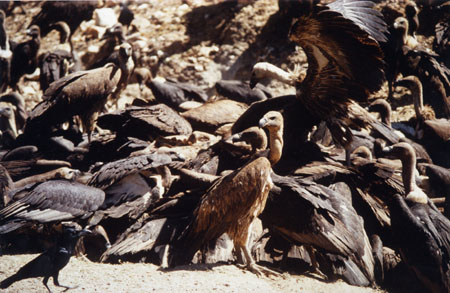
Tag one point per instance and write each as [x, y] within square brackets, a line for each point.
[196, 41]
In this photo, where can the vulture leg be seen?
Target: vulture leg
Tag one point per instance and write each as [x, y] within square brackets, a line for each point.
[251, 265]
[101, 231]
[314, 262]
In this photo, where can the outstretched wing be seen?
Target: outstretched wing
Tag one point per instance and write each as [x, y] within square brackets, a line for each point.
[344, 60]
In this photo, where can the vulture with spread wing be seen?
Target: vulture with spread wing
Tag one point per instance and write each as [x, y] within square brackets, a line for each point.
[345, 62]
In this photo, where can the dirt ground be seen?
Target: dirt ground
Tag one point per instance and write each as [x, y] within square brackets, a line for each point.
[137, 277]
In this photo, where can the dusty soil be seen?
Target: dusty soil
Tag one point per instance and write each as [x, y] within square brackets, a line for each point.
[132, 277]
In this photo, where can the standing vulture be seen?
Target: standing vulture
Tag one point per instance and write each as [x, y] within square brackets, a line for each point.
[422, 232]
[232, 203]
[5, 54]
[82, 93]
[24, 57]
[345, 62]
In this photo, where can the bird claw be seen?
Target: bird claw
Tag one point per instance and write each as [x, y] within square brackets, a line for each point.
[260, 271]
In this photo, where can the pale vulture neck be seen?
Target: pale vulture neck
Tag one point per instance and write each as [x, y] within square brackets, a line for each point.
[408, 167]
[276, 145]
[417, 94]
[274, 72]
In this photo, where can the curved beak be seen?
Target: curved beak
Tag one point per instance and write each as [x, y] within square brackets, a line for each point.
[263, 122]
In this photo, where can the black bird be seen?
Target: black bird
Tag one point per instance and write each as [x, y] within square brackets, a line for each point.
[24, 58]
[126, 16]
[49, 263]
[72, 12]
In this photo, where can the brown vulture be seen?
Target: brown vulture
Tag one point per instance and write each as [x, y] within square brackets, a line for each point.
[232, 203]
[433, 134]
[422, 233]
[5, 54]
[345, 62]
[325, 222]
[82, 93]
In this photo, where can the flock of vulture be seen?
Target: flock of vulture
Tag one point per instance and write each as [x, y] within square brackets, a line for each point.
[312, 182]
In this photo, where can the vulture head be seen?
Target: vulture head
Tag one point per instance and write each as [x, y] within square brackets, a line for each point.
[405, 153]
[254, 136]
[262, 70]
[273, 122]
[63, 29]
[34, 31]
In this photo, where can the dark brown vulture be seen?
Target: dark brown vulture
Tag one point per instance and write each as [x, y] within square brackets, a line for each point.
[49, 202]
[55, 64]
[232, 203]
[72, 12]
[5, 54]
[19, 103]
[345, 62]
[422, 233]
[433, 134]
[325, 222]
[82, 93]
[24, 58]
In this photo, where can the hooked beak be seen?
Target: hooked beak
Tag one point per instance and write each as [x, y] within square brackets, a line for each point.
[263, 122]
[236, 137]
[85, 232]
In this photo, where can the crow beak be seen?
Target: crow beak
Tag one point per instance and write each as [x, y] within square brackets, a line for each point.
[253, 81]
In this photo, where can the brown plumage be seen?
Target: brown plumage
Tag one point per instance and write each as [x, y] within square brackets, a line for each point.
[344, 61]
[81, 93]
[232, 203]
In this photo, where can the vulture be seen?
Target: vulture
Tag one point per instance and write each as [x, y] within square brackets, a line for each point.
[232, 203]
[345, 63]
[56, 64]
[422, 233]
[5, 55]
[72, 12]
[434, 76]
[433, 134]
[325, 222]
[48, 202]
[24, 56]
[82, 93]
[126, 16]
[18, 102]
